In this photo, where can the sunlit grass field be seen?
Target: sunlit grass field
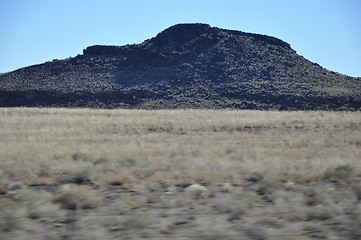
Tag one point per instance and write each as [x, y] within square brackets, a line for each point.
[134, 174]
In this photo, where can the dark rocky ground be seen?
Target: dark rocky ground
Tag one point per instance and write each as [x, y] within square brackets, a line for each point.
[185, 66]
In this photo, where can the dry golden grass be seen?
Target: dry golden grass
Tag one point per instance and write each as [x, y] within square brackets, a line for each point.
[120, 162]
[192, 144]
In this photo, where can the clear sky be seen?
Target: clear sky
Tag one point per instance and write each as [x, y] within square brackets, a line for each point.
[327, 32]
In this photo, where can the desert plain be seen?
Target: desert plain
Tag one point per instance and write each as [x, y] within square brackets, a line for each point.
[179, 174]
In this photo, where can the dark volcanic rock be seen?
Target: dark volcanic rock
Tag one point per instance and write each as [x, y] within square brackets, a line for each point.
[76, 98]
[188, 66]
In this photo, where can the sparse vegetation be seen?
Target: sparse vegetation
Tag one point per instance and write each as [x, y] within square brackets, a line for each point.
[205, 174]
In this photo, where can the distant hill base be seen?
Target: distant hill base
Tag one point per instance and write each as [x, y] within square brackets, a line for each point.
[184, 66]
[149, 100]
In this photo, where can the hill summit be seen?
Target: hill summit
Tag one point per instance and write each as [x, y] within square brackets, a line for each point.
[185, 66]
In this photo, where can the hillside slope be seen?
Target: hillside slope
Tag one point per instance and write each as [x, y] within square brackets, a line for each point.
[185, 66]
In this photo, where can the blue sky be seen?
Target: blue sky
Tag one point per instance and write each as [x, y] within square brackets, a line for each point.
[327, 32]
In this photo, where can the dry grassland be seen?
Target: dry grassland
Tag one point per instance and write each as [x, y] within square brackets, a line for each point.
[179, 174]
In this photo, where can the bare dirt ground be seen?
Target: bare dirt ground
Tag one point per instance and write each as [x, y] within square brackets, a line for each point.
[179, 174]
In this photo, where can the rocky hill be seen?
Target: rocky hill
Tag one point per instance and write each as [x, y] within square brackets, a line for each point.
[185, 66]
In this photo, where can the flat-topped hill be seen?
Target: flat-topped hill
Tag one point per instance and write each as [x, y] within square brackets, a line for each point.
[186, 66]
